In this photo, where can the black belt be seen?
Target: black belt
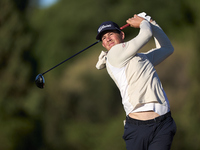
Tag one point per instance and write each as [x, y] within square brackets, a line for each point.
[141, 122]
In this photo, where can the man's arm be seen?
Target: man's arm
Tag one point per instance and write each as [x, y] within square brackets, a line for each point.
[120, 54]
[163, 48]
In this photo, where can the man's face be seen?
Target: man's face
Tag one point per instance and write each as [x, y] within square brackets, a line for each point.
[111, 38]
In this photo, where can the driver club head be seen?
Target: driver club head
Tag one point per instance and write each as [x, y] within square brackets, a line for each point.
[39, 81]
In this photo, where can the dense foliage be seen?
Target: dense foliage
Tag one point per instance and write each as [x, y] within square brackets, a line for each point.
[80, 107]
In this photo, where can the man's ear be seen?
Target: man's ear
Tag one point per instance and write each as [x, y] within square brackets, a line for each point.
[122, 35]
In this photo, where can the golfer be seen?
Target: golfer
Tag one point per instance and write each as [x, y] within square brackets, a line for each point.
[149, 125]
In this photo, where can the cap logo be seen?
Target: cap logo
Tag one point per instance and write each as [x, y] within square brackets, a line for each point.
[104, 26]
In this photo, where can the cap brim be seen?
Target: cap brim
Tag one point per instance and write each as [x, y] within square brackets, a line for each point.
[98, 37]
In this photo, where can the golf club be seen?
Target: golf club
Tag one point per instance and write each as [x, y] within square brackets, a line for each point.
[39, 80]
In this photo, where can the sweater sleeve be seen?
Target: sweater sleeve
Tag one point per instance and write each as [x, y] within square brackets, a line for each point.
[120, 54]
[163, 48]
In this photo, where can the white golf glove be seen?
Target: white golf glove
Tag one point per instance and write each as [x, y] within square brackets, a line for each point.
[101, 64]
[143, 15]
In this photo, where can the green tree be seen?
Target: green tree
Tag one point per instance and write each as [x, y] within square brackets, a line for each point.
[16, 68]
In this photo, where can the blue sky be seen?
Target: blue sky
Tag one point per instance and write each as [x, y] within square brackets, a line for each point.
[46, 3]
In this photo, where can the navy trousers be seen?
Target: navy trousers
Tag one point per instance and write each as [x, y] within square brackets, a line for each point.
[155, 134]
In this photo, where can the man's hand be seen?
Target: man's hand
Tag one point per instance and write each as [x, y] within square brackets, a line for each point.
[135, 21]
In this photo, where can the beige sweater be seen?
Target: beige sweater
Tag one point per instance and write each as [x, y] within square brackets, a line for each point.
[133, 72]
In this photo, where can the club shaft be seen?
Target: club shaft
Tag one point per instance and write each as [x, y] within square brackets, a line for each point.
[71, 57]
[126, 25]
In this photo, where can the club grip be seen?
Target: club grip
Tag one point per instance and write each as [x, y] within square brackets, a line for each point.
[126, 25]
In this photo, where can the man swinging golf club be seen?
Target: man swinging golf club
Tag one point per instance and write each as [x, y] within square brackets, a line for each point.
[149, 125]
